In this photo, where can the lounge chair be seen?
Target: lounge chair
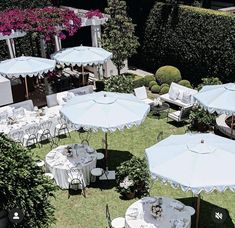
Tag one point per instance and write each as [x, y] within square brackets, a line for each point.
[141, 93]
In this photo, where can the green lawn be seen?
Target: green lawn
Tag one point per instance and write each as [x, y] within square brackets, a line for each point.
[89, 212]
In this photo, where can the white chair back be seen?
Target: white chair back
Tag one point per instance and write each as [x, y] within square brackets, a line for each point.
[141, 93]
[31, 130]
[46, 125]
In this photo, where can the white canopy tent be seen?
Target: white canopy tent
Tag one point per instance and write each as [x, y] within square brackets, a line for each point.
[194, 162]
[26, 66]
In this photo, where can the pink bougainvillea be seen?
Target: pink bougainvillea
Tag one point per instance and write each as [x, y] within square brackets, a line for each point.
[94, 13]
[47, 21]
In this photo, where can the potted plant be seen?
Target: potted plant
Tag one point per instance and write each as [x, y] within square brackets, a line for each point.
[133, 178]
[201, 120]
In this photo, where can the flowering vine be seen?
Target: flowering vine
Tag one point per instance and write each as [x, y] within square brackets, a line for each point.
[47, 21]
[94, 13]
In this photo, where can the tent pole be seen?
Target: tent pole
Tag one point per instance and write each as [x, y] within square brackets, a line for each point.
[232, 128]
[26, 88]
[198, 210]
[106, 149]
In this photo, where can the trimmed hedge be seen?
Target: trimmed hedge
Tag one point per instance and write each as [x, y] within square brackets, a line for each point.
[164, 84]
[155, 89]
[185, 83]
[167, 75]
[164, 89]
[152, 83]
[148, 78]
[197, 41]
[139, 82]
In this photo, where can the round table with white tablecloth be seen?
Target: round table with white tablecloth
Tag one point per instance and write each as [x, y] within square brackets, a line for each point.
[59, 163]
[174, 214]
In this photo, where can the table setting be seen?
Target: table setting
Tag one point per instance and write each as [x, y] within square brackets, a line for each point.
[157, 212]
[20, 119]
[61, 159]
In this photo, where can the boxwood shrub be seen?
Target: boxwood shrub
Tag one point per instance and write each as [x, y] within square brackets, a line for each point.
[167, 75]
[147, 79]
[155, 89]
[152, 83]
[164, 89]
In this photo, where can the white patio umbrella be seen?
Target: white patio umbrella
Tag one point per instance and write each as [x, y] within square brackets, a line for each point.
[218, 98]
[82, 56]
[194, 162]
[26, 66]
[105, 111]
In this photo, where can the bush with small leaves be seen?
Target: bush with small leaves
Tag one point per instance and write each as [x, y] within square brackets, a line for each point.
[164, 84]
[119, 84]
[164, 90]
[138, 82]
[152, 83]
[209, 81]
[148, 78]
[168, 74]
[155, 89]
[185, 83]
[24, 186]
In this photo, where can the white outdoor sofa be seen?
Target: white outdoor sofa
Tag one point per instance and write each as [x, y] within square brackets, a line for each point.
[179, 95]
[52, 99]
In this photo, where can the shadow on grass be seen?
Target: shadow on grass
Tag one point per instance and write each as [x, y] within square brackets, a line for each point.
[115, 157]
[207, 213]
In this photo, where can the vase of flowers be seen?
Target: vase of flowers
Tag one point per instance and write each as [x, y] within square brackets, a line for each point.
[127, 188]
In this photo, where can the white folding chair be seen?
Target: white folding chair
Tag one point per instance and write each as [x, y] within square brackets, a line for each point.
[141, 94]
[17, 136]
[30, 136]
[76, 180]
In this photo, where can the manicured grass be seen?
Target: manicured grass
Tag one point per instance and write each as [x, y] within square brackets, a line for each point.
[80, 212]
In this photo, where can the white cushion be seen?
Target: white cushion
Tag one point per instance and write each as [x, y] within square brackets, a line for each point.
[181, 94]
[118, 222]
[173, 94]
[148, 101]
[141, 93]
[186, 97]
[60, 96]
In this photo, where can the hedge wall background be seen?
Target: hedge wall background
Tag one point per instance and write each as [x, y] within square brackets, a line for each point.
[198, 41]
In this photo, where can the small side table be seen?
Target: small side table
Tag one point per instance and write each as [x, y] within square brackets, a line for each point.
[158, 109]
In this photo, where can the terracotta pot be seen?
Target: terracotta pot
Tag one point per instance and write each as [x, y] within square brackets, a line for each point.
[129, 195]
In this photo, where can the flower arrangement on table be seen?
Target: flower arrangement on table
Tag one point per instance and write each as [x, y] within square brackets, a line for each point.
[94, 13]
[156, 210]
[133, 178]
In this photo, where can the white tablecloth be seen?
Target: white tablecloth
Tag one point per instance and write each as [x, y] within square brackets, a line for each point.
[31, 118]
[138, 215]
[59, 164]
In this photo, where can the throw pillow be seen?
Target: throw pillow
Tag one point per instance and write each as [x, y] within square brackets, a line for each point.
[174, 94]
[60, 96]
[186, 98]
[181, 94]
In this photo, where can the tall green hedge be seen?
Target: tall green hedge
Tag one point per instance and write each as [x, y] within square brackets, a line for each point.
[198, 41]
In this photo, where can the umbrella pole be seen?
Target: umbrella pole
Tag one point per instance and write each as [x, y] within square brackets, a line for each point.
[82, 75]
[232, 127]
[106, 149]
[26, 88]
[198, 210]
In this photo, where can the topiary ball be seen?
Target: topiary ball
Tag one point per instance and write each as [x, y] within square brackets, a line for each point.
[164, 84]
[155, 89]
[164, 90]
[168, 74]
[185, 83]
[152, 83]
[148, 78]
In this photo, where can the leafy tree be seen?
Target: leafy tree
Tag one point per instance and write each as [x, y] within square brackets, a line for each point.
[118, 36]
[24, 186]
